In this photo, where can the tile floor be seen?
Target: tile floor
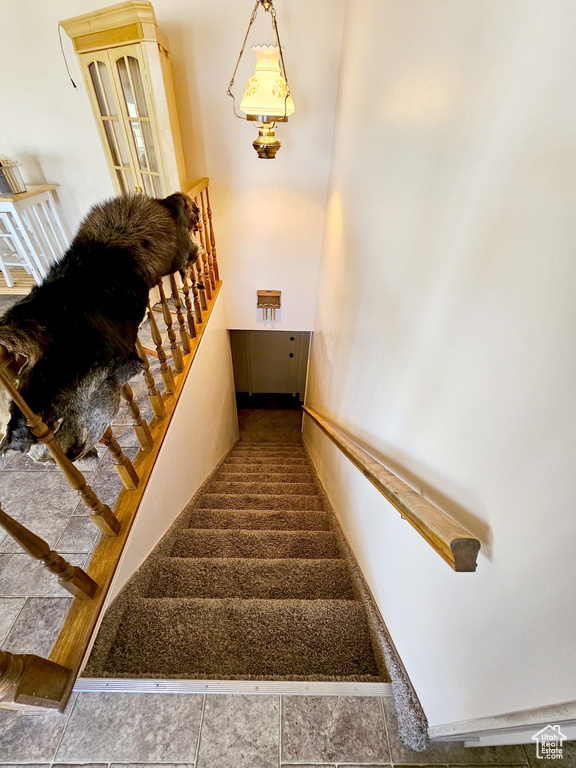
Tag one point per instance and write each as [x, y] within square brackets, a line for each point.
[224, 731]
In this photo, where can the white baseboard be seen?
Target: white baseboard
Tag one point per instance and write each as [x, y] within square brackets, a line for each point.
[288, 688]
[511, 728]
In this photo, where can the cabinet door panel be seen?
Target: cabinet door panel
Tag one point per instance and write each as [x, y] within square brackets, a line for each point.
[103, 98]
[136, 106]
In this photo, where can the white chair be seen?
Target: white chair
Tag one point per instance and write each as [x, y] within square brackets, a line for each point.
[32, 236]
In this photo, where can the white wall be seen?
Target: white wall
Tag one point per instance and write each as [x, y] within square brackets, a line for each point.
[203, 429]
[268, 214]
[444, 335]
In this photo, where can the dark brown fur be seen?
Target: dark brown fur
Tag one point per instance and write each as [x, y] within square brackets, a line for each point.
[74, 336]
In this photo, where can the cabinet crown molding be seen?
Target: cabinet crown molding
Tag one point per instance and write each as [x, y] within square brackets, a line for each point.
[89, 31]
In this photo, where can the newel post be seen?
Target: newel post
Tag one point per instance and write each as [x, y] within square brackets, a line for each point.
[28, 681]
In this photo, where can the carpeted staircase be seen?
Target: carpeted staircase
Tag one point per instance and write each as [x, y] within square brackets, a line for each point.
[250, 583]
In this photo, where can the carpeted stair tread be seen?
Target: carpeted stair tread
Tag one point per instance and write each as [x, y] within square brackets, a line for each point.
[267, 519]
[258, 501]
[264, 460]
[162, 637]
[251, 578]
[227, 476]
[275, 454]
[268, 448]
[269, 443]
[255, 471]
[198, 542]
[225, 486]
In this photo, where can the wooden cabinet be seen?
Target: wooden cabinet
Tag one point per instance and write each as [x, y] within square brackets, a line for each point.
[125, 62]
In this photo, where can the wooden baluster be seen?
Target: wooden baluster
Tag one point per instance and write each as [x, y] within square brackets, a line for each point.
[200, 303]
[100, 513]
[71, 577]
[25, 680]
[202, 263]
[165, 370]
[122, 463]
[154, 396]
[212, 238]
[209, 259]
[139, 423]
[188, 302]
[176, 352]
[179, 315]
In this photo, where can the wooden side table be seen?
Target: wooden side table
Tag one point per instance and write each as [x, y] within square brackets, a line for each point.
[32, 235]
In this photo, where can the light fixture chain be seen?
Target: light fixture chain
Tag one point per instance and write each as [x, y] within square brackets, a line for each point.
[279, 44]
[252, 19]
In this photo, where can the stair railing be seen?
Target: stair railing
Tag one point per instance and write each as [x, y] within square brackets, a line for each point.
[28, 681]
[457, 546]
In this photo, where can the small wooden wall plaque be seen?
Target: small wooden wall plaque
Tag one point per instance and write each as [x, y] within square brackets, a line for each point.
[268, 301]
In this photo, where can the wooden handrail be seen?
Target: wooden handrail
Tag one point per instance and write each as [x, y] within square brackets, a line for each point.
[450, 540]
[195, 189]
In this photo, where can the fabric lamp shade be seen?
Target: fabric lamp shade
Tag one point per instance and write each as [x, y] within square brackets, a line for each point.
[265, 95]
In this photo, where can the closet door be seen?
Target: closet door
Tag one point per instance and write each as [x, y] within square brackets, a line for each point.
[137, 109]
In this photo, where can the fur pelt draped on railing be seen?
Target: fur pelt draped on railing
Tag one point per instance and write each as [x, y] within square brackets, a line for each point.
[67, 352]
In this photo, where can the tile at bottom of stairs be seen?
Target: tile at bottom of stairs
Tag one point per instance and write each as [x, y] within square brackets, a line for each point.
[29, 765]
[10, 607]
[37, 626]
[134, 765]
[338, 729]
[31, 737]
[453, 753]
[132, 727]
[77, 765]
[240, 732]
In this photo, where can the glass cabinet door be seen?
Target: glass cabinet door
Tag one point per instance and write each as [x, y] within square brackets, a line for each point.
[126, 119]
[139, 121]
[111, 124]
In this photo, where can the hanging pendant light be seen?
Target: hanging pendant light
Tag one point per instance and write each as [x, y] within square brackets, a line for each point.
[267, 98]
